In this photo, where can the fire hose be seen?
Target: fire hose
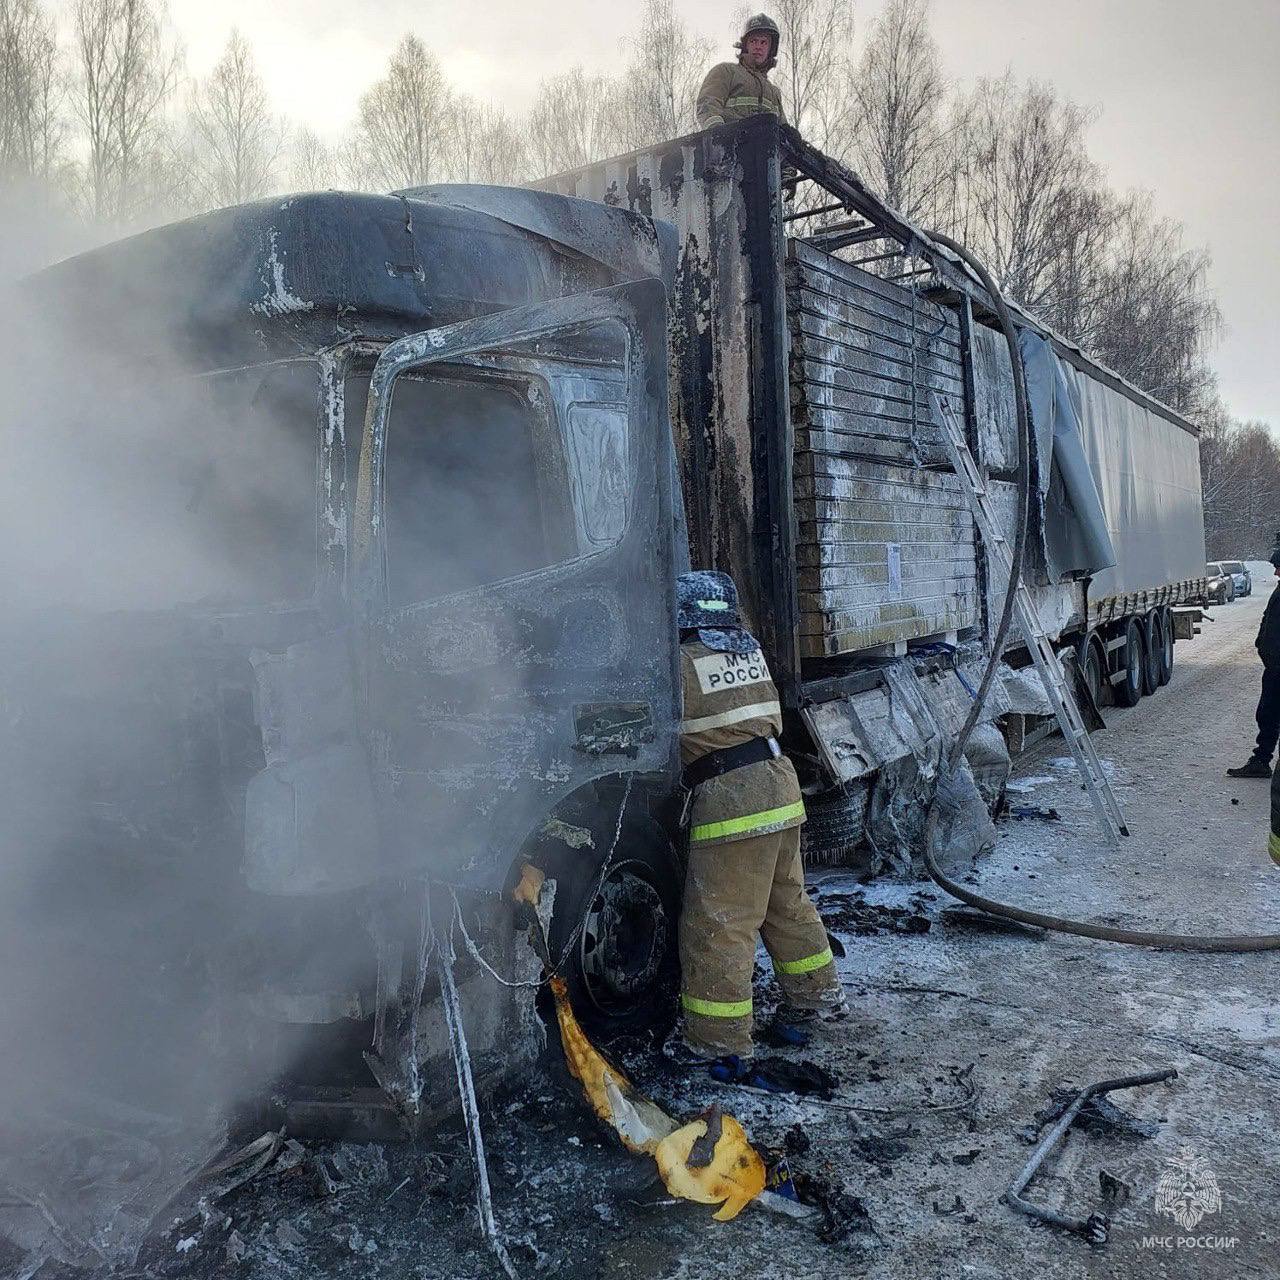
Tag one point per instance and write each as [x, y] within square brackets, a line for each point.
[1084, 929]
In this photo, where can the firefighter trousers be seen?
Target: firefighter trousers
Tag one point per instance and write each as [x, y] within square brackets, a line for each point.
[734, 891]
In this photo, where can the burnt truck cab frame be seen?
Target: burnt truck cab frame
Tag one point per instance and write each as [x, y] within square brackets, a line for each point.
[486, 669]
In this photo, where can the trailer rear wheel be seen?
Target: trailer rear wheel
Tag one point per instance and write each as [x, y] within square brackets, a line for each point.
[1153, 648]
[1092, 662]
[1166, 647]
[1129, 690]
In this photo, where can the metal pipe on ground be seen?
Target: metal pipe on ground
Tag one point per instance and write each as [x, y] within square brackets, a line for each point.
[1095, 1227]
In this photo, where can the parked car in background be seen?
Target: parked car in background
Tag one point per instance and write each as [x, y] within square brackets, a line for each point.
[1220, 587]
[1241, 579]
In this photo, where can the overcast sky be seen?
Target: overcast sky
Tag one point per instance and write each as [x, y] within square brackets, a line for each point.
[1189, 92]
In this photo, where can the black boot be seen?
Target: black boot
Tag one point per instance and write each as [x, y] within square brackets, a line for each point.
[1254, 769]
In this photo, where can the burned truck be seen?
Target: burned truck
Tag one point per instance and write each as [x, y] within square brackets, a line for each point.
[417, 476]
[812, 326]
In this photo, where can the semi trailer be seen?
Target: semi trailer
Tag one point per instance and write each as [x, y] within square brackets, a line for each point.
[415, 477]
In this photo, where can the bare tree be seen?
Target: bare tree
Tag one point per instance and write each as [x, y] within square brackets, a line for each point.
[1155, 317]
[573, 122]
[403, 122]
[32, 132]
[660, 83]
[897, 96]
[238, 141]
[813, 57]
[1026, 172]
[127, 69]
[1240, 479]
[313, 166]
[483, 146]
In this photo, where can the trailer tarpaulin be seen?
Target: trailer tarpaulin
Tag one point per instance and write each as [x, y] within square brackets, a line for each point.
[1076, 539]
[1147, 469]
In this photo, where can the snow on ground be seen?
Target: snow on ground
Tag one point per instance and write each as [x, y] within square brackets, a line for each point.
[1021, 1015]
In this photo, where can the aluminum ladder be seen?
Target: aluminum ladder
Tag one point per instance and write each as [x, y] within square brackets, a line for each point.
[1043, 654]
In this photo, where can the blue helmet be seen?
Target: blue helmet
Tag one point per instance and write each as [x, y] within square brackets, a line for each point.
[707, 602]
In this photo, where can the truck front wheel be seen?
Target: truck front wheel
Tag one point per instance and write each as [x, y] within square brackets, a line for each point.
[614, 935]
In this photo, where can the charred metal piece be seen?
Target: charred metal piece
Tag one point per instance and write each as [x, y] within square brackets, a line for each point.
[1096, 1226]
[704, 1148]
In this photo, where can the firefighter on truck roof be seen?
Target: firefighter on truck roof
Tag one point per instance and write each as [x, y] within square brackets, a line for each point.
[745, 874]
[734, 90]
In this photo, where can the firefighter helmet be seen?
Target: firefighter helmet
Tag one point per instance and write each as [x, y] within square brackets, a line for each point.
[705, 598]
[707, 602]
[762, 24]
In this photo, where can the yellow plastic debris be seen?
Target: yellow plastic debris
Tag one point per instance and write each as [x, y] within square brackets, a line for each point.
[530, 887]
[730, 1175]
[735, 1176]
[640, 1124]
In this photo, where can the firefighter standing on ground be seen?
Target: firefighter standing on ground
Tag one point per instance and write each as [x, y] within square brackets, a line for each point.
[745, 875]
[735, 90]
[1268, 714]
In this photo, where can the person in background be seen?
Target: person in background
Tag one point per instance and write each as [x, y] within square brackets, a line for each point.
[735, 90]
[1268, 715]
[745, 874]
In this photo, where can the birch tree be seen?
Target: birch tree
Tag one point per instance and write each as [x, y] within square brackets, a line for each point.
[897, 100]
[812, 71]
[402, 124]
[574, 121]
[32, 130]
[312, 162]
[126, 70]
[664, 72]
[238, 139]
[1155, 318]
[484, 145]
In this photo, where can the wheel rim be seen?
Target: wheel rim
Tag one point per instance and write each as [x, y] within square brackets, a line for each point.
[624, 938]
[1133, 661]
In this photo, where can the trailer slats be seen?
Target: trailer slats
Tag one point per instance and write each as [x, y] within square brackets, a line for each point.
[885, 546]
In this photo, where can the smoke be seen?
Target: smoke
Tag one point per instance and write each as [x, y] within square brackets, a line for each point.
[124, 493]
[177, 686]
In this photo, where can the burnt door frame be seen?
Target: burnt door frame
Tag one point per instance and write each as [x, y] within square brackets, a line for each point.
[632, 665]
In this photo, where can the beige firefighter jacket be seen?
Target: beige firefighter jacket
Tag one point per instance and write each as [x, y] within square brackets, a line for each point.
[730, 698]
[733, 91]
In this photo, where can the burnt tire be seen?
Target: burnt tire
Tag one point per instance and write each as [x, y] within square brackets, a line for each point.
[1152, 648]
[617, 927]
[1128, 692]
[834, 824]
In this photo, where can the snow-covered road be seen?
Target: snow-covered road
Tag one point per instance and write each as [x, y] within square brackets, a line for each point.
[1022, 1016]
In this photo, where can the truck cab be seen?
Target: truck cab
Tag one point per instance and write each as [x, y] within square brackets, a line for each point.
[403, 473]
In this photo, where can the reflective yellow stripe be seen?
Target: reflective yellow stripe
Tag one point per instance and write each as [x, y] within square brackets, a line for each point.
[748, 823]
[757, 710]
[717, 1008]
[807, 965]
[1273, 846]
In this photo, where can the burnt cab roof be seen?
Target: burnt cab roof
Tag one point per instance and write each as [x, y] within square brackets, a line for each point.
[287, 276]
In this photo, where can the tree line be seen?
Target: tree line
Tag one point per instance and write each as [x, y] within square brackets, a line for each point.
[100, 120]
